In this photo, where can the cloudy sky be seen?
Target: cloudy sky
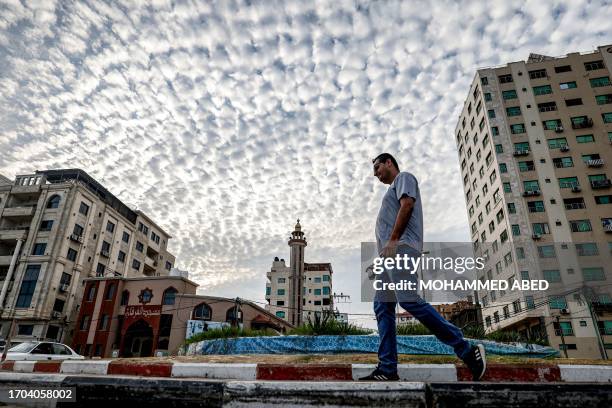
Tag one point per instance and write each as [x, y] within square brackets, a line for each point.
[226, 121]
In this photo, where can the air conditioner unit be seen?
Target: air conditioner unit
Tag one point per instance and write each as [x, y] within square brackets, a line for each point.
[564, 311]
[64, 287]
[56, 315]
[559, 129]
[564, 148]
[576, 189]
[105, 254]
[536, 236]
[76, 238]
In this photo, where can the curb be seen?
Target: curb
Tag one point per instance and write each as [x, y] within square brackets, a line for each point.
[315, 372]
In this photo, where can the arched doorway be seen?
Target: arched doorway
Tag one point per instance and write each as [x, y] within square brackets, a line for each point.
[138, 340]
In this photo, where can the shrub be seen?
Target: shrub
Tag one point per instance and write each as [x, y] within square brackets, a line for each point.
[327, 325]
[229, 332]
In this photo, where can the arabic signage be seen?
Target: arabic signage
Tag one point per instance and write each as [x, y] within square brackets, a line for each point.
[144, 311]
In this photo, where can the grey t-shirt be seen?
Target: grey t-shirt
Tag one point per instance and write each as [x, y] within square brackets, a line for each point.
[405, 184]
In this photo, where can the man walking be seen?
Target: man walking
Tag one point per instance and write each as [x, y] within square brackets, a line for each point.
[399, 230]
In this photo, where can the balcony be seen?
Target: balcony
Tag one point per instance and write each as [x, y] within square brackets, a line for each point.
[26, 190]
[150, 262]
[574, 206]
[13, 234]
[521, 152]
[576, 188]
[531, 193]
[595, 163]
[565, 332]
[598, 184]
[76, 238]
[105, 254]
[585, 124]
[21, 212]
[564, 148]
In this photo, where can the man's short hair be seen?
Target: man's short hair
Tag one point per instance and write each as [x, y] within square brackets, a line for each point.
[383, 157]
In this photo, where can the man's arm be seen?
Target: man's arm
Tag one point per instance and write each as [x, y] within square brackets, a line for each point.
[401, 222]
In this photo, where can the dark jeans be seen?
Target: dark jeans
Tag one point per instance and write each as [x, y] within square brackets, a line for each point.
[384, 307]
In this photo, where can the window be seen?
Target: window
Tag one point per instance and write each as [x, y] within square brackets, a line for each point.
[84, 208]
[538, 73]
[103, 325]
[202, 312]
[573, 102]
[546, 251]
[169, 296]
[325, 290]
[526, 166]
[553, 124]
[39, 248]
[281, 280]
[503, 168]
[563, 162]
[520, 253]
[491, 113]
[126, 237]
[513, 111]
[110, 227]
[499, 148]
[91, 293]
[325, 278]
[136, 264]
[489, 159]
[580, 226]
[557, 302]
[563, 68]
[593, 274]
[517, 129]
[607, 118]
[552, 275]
[535, 206]
[585, 139]
[557, 143]
[593, 65]
[480, 219]
[280, 292]
[511, 94]
[507, 188]
[46, 225]
[547, 106]
[522, 147]
[139, 246]
[78, 230]
[540, 228]
[601, 81]
[503, 237]
[71, 255]
[168, 265]
[516, 230]
[54, 201]
[587, 249]
[105, 247]
[531, 185]
[504, 79]
[511, 208]
[125, 297]
[542, 90]
[280, 314]
[121, 257]
[603, 99]
[110, 292]
[496, 196]
[28, 285]
[493, 177]
[516, 306]
[603, 199]
[84, 323]
[568, 85]
[100, 269]
[568, 182]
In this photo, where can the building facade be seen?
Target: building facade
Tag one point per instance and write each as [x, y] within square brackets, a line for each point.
[147, 316]
[534, 141]
[300, 290]
[58, 227]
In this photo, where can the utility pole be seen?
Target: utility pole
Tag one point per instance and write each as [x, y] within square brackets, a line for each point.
[562, 336]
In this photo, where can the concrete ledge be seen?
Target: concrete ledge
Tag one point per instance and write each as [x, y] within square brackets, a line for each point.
[413, 372]
[218, 371]
[139, 369]
[24, 366]
[305, 372]
[514, 372]
[585, 373]
[331, 394]
[85, 367]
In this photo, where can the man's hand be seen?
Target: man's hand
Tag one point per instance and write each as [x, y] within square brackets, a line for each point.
[390, 250]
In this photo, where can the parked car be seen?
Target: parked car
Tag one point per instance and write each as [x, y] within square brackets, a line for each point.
[42, 350]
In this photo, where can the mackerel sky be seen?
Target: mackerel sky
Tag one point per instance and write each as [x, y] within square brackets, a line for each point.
[226, 121]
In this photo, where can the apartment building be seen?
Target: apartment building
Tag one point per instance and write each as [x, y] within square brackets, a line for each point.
[534, 141]
[300, 290]
[58, 227]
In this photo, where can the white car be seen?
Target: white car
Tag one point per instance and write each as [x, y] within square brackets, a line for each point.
[42, 350]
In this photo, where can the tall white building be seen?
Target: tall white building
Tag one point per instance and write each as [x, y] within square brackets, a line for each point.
[300, 290]
[534, 141]
[58, 227]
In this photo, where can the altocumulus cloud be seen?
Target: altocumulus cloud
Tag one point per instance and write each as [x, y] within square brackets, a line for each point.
[227, 120]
